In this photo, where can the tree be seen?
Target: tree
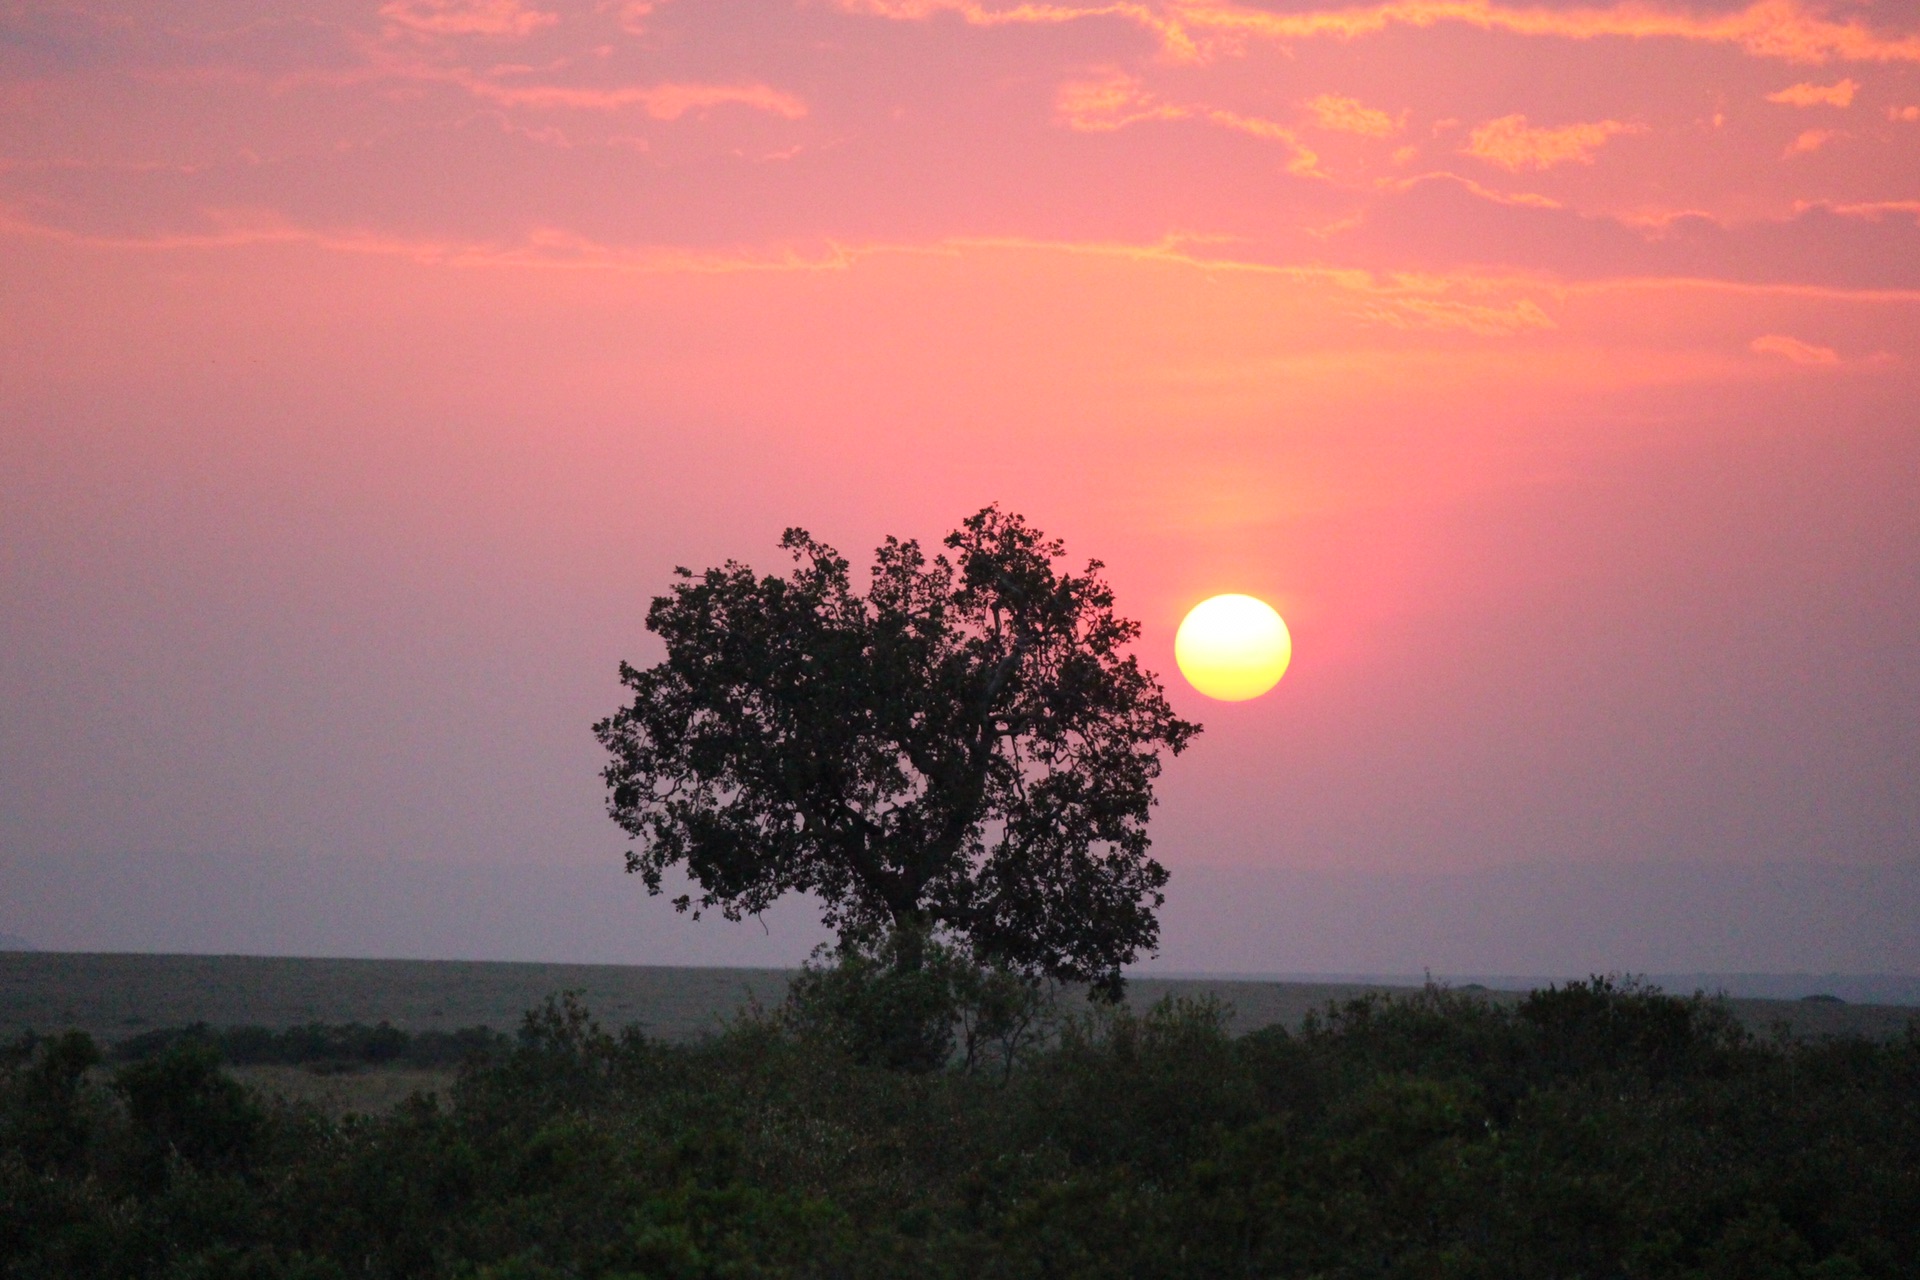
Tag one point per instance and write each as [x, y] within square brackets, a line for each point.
[966, 751]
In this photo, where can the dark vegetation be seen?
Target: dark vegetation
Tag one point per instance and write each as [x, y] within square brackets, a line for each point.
[1597, 1130]
[318, 1046]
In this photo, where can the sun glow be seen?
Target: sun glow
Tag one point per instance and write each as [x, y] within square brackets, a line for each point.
[1233, 648]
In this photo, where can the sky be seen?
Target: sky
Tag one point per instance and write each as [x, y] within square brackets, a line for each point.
[366, 368]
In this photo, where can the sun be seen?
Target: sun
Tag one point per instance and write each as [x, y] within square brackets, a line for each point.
[1233, 648]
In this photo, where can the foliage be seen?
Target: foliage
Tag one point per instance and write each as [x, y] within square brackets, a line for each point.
[1596, 1130]
[881, 1011]
[965, 750]
[319, 1045]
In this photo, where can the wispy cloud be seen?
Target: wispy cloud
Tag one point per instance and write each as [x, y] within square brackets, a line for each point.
[1487, 305]
[1522, 199]
[1497, 320]
[633, 15]
[541, 248]
[1109, 102]
[1513, 144]
[1166, 26]
[1116, 100]
[661, 101]
[1793, 349]
[1807, 94]
[1811, 140]
[1789, 30]
[1304, 161]
[1349, 115]
[498, 18]
[1874, 210]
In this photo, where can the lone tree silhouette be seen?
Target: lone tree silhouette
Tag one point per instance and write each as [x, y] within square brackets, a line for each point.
[964, 752]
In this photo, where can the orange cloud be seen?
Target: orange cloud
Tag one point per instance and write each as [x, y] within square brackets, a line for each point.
[661, 101]
[1112, 102]
[1788, 29]
[1908, 114]
[1477, 303]
[1522, 199]
[1791, 30]
[1513, 144]
[1814, 95]
[1117, 100]
[542, 248]
[1347, 115]
[1779, 344]
[1304, 161]
[1811, 140]
[634, 15]
[1874, 210]
[1172, 34]
[466, 17]
[1479, 319]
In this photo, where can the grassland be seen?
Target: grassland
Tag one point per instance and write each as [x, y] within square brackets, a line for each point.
[114, 996]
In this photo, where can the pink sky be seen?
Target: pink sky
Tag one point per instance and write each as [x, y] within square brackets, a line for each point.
[364, 369]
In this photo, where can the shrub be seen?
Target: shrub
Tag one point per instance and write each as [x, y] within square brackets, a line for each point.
[1594, 1131]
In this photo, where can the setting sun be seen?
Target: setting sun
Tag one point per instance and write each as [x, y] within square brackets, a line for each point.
[1233, 647]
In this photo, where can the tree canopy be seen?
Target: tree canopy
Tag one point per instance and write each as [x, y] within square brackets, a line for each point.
[966, 750]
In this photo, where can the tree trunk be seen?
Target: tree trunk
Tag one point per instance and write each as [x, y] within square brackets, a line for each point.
[910, 934]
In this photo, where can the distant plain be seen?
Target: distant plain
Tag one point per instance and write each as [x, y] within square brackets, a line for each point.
[113, 996]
